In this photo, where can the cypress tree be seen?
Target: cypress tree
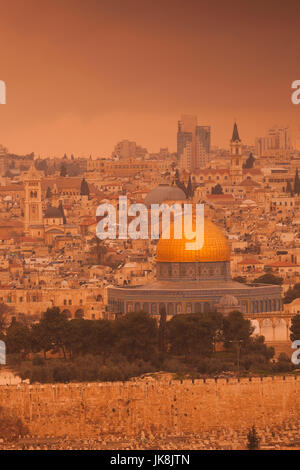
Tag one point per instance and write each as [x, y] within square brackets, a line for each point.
[84, 188]
[48, 193]
[190, 191]
[289, 188]
[297, 183]
[62, 212]
[63, 170]
[253, 439]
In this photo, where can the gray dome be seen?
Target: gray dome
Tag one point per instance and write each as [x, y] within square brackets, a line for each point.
[164, 192]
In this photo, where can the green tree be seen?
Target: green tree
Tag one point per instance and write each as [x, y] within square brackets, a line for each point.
[49, 193]
[136, 336]
[162, 337]
[79, 334]
[236, 329]
[292, 294]
[63, 170]
[61, 208]
[241, 279]
[103, 339]
[217, 189]
[18, 338]
[289, 188]
[252, 439]
[297, 183]
[268, 278]
[295, 328]
[194, 334]
[189, 189]
[50, 334]
[84, 188]
[5, 312]
[249, 162]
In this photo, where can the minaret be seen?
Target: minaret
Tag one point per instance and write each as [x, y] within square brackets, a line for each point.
[236, 161]
[33, 199]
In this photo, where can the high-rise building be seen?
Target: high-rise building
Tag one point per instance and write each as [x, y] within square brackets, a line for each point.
[193, 143]
[204, 135]
[127, 149]
[277, 139]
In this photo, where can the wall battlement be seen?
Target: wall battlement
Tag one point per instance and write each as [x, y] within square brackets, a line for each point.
[154, 406]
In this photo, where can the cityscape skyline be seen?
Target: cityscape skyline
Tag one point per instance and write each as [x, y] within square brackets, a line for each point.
[115, 71]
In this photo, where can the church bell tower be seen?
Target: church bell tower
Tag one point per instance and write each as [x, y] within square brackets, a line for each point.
[236, 161]
[33, 199]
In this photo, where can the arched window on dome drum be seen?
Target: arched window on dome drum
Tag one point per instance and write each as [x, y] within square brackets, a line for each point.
[129, 307]
[162, 308]
[137, 307]
[178, 308]
[170, 309]
[269, 305]
[145, 307]
[189, 308]
[266, 306]
[274, 304]
[261, 306]
[153, 309]
[206, 307]
[198, 307]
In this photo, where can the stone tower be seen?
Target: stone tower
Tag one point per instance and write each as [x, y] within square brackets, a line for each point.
[33, 199]
[236, 160]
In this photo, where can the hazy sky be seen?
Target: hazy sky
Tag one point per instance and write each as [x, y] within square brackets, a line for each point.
[82, 75]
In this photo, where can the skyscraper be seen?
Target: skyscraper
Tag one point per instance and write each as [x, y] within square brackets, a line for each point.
[277, 139]
[193, 143]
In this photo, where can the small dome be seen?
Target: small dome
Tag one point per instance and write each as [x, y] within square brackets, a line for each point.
[229, 301]
[164, 192]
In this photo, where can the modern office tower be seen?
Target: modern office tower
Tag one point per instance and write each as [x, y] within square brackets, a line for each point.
[127, 149]
[277, 139]
[204, 135]
[193, 143]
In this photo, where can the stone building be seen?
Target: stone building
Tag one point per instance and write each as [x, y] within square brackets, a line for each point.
[199, 280]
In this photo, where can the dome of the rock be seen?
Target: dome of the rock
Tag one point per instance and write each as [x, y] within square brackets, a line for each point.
[215, 246]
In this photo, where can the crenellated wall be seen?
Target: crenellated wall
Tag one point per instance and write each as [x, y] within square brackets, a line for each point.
[154, 407]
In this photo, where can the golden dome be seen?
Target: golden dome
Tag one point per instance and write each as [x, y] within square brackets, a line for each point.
[215, 247]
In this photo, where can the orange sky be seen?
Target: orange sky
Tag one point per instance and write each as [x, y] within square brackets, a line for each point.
[82, 75]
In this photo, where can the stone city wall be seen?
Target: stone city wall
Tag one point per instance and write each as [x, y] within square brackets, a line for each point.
[154, 407]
